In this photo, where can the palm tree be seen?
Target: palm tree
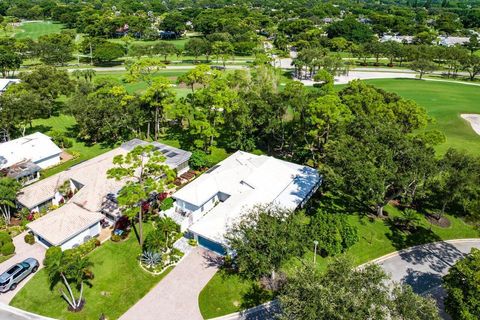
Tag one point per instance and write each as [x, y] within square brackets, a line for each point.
[77, 73]
[169, 228]
[88, 74]
[9, 189]
[72, 269]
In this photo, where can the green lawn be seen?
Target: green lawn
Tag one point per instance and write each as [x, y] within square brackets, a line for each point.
[227, 293]
[119, 282]
[66, 123]
[37, 29]
[444, 102]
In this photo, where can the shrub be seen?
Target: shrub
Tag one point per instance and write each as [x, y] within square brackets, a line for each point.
[166, 204]
[87, 247]
[29, 238]
[198, 160]
[14, 231]
[151, 259]
[7, 249]
[53, 254]
[333, 233]
[116, 238]
[6, 245]
[192, 242]
[4, 238]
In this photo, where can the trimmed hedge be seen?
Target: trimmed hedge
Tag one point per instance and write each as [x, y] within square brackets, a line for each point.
[29, 238]
[6, 244]
[7, 249]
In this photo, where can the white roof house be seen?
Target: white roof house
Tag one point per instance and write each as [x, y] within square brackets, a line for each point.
[221, 195]
[25, 157]
[396, 38]
[5, 83]
[36, 147]
[78, 219]
[452, 41]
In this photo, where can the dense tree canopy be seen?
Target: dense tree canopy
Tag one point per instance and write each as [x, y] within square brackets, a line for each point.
[462, 284]
[343, 292]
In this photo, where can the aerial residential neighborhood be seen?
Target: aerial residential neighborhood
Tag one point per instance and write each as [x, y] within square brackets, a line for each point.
[230, 160]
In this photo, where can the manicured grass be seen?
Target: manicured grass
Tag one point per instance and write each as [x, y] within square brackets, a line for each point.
[66, 123]
[444, 102]
[227, 293]
[118, 284]
[36, 29]
[179, 43]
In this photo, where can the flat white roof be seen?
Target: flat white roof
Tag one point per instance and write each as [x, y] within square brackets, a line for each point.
[249, 180]
[4, 83]
[34, 147]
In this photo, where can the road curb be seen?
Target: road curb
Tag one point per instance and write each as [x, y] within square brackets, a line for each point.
[22, 313]
[397, 253]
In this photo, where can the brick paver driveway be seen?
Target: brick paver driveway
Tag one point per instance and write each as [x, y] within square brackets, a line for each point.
[176, 296]
[22, 251]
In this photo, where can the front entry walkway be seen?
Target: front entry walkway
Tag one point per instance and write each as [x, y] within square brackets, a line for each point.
[176, 296]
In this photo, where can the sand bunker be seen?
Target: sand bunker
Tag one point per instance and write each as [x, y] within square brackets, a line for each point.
[474, 120]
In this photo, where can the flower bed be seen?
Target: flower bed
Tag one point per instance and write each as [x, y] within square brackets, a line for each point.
[167, 260]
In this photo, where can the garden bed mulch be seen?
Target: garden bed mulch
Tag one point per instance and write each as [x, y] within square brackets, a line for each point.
[443, 222]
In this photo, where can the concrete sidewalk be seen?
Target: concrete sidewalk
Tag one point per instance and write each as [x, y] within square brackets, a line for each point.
[176, 296]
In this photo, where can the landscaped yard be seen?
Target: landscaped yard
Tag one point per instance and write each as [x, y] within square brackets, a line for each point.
[119, 282]
[36, 29]
[66, 123]
[444, 102]
[227, 293]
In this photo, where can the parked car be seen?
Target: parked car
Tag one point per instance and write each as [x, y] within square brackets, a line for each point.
[12, 277]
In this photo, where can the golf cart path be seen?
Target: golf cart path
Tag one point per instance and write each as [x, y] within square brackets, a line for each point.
[176, 296]
[422, 267]
[23, 251]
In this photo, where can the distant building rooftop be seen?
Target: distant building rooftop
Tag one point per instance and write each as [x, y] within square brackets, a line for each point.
[34, 147]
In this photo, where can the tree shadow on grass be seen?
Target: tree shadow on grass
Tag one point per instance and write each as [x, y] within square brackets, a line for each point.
[401, 238]
[39, 128]
[254, 296]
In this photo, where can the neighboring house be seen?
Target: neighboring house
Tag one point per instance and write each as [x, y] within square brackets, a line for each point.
[211, 203]
[90, 195]
[5, 83]
[397, 38]
[25, 157]
[452, 41]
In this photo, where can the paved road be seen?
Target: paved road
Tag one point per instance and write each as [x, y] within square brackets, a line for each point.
[11, 313]
[22, 251]
[171, 67]
[423, 267]
[176, 296]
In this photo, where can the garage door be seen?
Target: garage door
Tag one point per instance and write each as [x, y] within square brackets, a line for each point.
[211, 245]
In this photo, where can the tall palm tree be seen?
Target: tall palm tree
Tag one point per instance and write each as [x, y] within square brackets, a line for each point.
[72, 270]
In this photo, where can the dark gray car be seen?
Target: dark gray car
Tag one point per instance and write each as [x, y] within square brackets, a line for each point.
[10, 278]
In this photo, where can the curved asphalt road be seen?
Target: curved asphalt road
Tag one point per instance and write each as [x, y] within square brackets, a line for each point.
[422, 267]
